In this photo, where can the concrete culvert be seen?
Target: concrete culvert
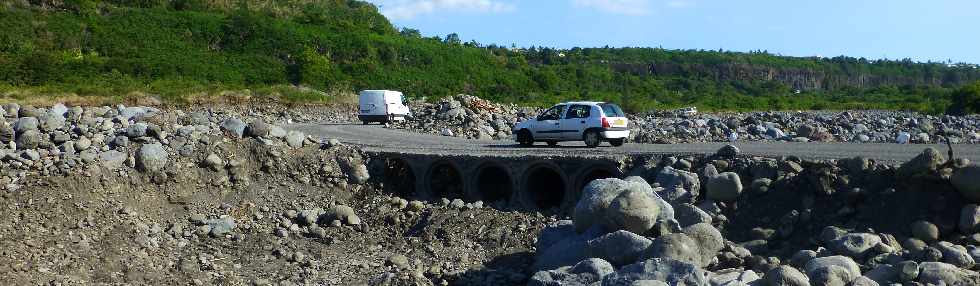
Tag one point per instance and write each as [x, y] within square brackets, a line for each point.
[399, 178]
[494, 186]
[446, 182]
[546, 188]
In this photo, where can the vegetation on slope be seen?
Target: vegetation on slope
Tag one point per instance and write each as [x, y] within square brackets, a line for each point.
[176, 48]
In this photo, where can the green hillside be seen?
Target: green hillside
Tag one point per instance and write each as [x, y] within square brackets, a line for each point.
[177, 48]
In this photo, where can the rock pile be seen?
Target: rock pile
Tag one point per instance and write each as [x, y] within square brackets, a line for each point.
[795, 222]
[471, 117]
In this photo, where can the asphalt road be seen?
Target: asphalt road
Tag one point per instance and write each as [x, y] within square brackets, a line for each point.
[376, 138]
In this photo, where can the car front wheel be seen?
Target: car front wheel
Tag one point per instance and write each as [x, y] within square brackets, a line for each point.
[524, 138]
[591, 138]
[617, 142]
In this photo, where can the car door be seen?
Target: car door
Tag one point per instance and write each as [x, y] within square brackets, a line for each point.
[575, 121]
[546, 126]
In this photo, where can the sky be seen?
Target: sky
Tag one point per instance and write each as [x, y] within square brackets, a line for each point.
[937, 30]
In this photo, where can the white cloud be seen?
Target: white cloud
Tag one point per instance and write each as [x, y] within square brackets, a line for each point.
[631, 7]
[409, 9]
[625, 7]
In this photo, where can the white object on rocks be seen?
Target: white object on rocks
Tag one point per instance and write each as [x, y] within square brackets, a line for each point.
[903, 138]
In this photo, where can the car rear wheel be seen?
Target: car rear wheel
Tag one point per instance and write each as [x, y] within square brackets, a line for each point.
[591, 138]
[552, 143]
[524, 138]
[617, 142]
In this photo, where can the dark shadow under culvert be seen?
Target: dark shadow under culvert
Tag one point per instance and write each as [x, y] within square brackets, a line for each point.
[399, 178]
[445, 181]
[494, 185]
[546, 188]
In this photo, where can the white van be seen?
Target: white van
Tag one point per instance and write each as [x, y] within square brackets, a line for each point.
[382, 106]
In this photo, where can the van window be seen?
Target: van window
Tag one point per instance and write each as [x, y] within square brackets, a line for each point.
[611, 110]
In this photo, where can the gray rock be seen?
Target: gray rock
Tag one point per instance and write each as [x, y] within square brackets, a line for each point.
[802, 257]
[214, 161]
[295, 139]
[7, 133]
[924, 163]
[83, 144]
[925, 231]
[708, 239]
[733, 277]
[619, 247]
[12, 109]
[136, 130]
[854, 245]
[259, 129]
[883, 274]
[308, 217]
[355, 169]
[864, 281]
[29, 139]
[593, 266]
[728, 151]
[344, 214]
[563, 247]
[786, 276]
[724, 187]
[688, 214]
[672, 272]
[938, 273]
[832, 270]
[30, 155]
[50, 122]
[634, 210]
[955, 255]
[677, 246]
[775, 133]
[277, 132]
[233, 126]
[221, 226]
[151, 158]
[966, 180]
[672, 179]
[25, 124]
[969, 219]
[596, 198]
[907, 271]
[58, 109]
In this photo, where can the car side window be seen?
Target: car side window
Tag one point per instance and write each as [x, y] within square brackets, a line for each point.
[554, 113]
[579, 111]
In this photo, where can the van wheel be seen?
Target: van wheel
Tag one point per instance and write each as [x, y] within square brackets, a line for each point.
[552, 143]
[524, 138]
[591, 138]
[617, 142]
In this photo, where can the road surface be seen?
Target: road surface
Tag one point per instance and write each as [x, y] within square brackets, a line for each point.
[376, 138]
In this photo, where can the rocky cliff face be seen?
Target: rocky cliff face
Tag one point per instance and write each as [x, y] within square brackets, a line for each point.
[805, 79]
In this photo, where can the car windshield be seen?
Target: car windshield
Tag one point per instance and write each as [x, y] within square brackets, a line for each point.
[611, 110]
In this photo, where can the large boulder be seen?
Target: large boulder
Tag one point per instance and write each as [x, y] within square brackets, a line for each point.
[677, 246]
[7, 133]
[596, 198]
[786, 276]
[672, 272]
[633, 210]
[295, 139]
[688, 214]
[938, 273]
[724, 187]
[51, 122]
[259, 129]
[854, 245]
[25, 124]
[562, 246]
[966, 180]
[619, 247]
[151, 158]
[708, 239]
[679, 186]
[832, 270]
[29, 140]
[955, 255]
[922, 164]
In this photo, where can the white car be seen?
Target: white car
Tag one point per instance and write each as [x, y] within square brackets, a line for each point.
[381, 106]
[591, 122]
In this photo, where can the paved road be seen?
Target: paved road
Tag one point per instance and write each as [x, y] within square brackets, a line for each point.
[379, 139]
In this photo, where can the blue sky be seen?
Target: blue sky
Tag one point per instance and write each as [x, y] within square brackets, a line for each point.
[922, 30]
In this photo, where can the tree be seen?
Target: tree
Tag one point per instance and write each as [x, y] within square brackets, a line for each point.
[453, 39]
[411, 33]
[966, 100]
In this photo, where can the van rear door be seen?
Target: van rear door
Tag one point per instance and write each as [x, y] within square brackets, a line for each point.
[372, 102]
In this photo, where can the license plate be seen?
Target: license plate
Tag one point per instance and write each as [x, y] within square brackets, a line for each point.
[620, 122]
